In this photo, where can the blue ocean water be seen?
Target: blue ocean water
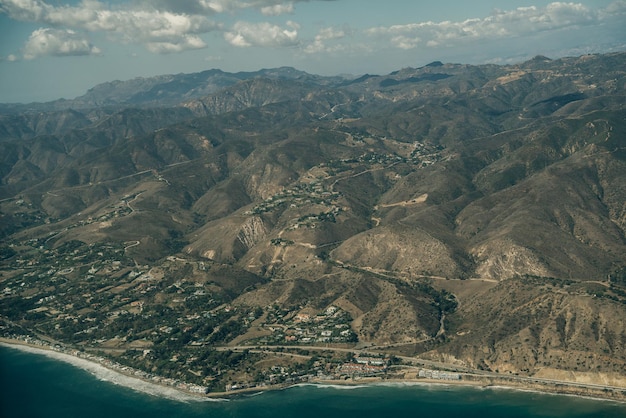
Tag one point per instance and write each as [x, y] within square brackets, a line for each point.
[36, 386]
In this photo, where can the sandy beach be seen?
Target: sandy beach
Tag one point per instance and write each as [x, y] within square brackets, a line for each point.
[103, 373]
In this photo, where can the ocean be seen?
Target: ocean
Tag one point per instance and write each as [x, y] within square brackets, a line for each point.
[38, 386]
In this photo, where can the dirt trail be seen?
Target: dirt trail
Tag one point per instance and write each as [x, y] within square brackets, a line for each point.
[415, 201]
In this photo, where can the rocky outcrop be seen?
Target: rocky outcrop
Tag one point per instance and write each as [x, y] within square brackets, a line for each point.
[252, 232]
[502, 259]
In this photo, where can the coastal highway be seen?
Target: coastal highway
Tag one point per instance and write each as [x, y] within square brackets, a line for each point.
[414, 361]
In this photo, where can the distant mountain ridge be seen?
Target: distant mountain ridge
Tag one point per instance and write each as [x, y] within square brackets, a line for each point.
[164, 90]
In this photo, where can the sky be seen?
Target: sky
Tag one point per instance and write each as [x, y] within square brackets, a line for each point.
[51, 49]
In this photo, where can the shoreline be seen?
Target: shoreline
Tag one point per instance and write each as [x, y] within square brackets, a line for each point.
[477, 384]
[152, 388]
[106, 374]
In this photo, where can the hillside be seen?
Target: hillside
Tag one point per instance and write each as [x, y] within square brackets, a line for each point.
[467, 214]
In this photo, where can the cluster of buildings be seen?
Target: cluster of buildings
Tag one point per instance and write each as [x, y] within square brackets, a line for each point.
[331, 326]
[301, 194]
[438, 375]
[364, 366]
[360, 369]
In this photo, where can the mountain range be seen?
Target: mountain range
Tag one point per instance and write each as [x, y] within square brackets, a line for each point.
[469, 214]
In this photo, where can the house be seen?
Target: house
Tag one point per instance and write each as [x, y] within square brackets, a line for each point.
[302, 317]
[352, 368]
[374, 361]
[438, 375]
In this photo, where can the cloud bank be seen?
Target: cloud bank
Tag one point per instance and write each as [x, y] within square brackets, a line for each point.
[174, 26]
[57, 42]
[266, 7]
[244, 34]
[159, 31]
[501, 24]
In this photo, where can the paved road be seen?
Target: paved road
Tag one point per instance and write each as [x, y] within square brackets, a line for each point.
[414, 361]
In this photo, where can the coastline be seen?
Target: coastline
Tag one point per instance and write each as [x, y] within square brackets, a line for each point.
[106, 374]
[138, 384]
[488, 384]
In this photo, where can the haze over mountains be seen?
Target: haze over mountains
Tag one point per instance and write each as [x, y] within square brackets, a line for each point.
[384, 195]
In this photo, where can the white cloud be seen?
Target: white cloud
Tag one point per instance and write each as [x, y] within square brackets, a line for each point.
[191, 6]
[617, 7]
[277, 9]
[168, 26]
[162, 26]
[57, 42]
[330, 33]
[183, 44]
[10, 58]
[407, 42]
[159, 31]
[267, 7]
[512, 23]
[320, 42]
[246, 34]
